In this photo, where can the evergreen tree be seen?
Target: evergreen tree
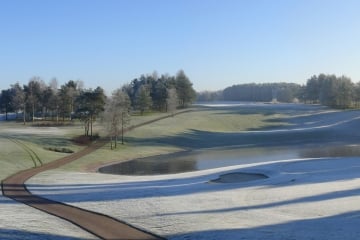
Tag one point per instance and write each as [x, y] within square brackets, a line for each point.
[184, 89]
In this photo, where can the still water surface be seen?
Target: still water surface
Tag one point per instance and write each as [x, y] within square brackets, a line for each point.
[215, 158]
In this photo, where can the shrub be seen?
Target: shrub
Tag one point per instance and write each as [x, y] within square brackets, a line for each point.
[61, 150]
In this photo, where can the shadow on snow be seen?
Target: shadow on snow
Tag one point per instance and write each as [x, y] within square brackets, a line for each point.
[316, 228]
[12, 234]
[309, 172]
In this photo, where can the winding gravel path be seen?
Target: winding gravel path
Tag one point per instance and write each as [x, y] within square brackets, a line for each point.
[102, 226]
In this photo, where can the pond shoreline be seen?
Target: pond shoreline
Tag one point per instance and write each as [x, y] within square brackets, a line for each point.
[202, 159]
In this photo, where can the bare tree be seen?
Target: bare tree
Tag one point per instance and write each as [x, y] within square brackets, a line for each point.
[18, 100]
[117, 115]
[67, 96]
[33, 92]
[172, 100]
[55, 99]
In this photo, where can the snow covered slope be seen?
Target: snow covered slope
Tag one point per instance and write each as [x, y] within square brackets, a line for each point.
[301, 199]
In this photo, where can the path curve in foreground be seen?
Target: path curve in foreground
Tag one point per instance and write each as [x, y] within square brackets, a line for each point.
[102, 226]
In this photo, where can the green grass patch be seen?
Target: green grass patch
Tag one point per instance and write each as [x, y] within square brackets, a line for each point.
[22, 145]
[15, 157]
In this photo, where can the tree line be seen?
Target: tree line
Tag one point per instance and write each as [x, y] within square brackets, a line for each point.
[325, 89]
[40, 101]
[332, 91]
[255, 92]
[267, 92]
[154, 92]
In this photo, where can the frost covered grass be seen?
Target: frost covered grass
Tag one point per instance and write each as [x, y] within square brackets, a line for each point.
[161, 137]
[18, 146]
[312, 198]
[40, 139]
[12, 158]
[18, 221]
[22, 146]
[300, 199]
[209, 127]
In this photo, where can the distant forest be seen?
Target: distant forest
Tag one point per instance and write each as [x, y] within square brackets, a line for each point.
[328, 90]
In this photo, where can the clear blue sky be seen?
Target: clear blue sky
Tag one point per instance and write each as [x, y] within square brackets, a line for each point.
[217, 43]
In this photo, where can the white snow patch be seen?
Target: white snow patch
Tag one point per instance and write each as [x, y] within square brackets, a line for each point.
[301, 199]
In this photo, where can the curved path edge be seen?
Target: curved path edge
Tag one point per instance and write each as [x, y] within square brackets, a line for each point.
[98, 224]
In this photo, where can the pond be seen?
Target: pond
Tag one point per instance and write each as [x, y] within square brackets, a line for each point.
[215, 158]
